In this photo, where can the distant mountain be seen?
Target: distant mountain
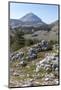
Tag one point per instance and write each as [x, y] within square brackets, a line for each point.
[15, 23]
[54, 31]
[29, 20]
[30, 17]
[54, 23]
[31, 23]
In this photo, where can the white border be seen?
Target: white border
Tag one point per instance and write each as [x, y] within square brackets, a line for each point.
[4, 44]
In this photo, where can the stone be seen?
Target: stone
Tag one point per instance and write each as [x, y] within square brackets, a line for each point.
[46, 79]
[16, 74]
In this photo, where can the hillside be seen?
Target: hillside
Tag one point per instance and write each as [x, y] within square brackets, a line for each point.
[45, 34]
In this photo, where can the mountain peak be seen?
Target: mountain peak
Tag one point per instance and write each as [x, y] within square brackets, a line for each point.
[30, 14]
[30, 17]
[28, 20]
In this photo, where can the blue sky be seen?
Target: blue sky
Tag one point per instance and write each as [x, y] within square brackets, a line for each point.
[48, 13]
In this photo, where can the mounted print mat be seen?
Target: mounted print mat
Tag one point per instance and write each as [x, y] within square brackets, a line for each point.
[33, 44]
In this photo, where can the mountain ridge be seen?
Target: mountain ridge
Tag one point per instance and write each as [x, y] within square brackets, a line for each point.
[27, 20]
[32, 21]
